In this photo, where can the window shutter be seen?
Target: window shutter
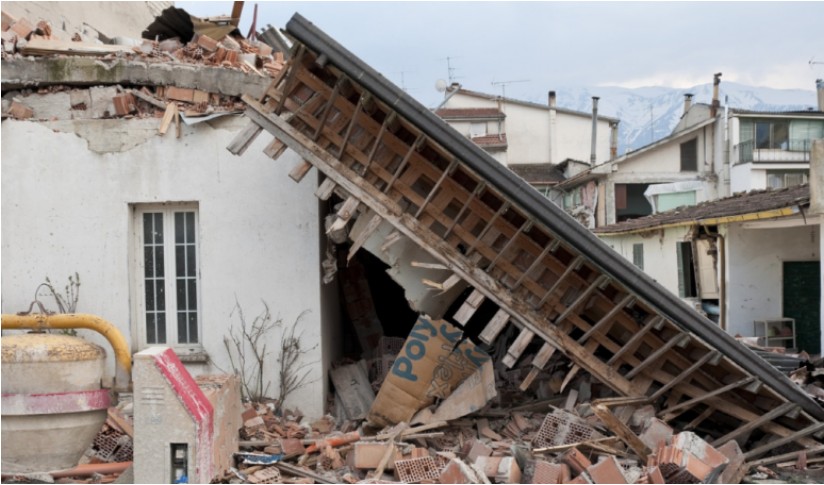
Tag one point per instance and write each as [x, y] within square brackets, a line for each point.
[681, 287]
[620, 196]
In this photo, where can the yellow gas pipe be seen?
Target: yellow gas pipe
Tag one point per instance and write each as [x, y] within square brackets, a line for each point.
[39, 321]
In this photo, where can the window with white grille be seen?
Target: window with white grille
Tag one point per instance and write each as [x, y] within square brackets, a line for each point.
[167, 276]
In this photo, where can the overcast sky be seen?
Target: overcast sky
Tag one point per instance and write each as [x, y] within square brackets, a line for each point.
[554, 45]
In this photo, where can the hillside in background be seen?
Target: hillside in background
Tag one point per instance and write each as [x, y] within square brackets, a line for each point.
[649, 114]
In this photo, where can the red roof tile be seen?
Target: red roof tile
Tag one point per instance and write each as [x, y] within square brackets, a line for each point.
[488, 141]
[459, 113]
[739, 204]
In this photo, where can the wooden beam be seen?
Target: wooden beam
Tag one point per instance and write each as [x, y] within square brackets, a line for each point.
[622, 431]
[721, 390]
[635, 339]
[599, 281]
[626, 301]
[300, 170]
[751, 425]
[370, 228]
[653, 357]
[494, 327]
[787, 439]
[684, 374]
[517, 348]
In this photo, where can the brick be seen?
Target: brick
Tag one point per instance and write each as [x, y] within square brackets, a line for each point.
[22, 28]
[655, 433]
[369, 455]
[200, 96]
[266, 475]
[489, 465]
[563, 428]
[8, 21]
[546, 472]
[654, 476]
[180, 94]
[124, 104]
[477, 448]
[606, 471]
[20, 111]
[642, 416]
[45, 28]
[249, 413]
[263, 49]
[575, 460]
[291, 446]
[207, 43]
[735, 469]
[508, 471]
[453, 473]
[416, 470]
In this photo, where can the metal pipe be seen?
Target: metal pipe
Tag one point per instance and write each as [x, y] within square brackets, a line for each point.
[551, 102]
[594, 129]
[39, 321]
[819, 88]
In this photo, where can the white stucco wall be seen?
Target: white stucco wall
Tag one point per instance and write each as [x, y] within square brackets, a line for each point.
[527, 131]
[66, 209]
[754, 270]
[660, 253]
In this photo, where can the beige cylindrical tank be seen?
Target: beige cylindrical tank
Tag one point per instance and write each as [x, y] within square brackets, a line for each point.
[53, 404]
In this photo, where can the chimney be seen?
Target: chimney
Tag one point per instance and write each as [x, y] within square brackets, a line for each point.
[819, 87]
[551, 101]
[613, 140]
[594, 129]
[687, 102]
[716, 80]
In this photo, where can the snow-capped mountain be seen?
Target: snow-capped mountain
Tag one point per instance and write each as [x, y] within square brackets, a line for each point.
[649, 114]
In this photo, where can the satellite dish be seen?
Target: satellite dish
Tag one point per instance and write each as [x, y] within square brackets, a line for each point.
[440, 85]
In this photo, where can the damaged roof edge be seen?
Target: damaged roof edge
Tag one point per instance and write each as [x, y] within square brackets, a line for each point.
[519, 192]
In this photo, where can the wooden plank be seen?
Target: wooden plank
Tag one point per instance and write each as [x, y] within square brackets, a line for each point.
[684, 374]
[626, 301]
[418, 264]
[746, 428]
[691, 402]
[635, 339]
[501, 211]
[599, 281]
[168, 117]
[45, 47]
[450, 282]
[517, 348]
[325, 189]
[437, 186]
[494, 327]
[275, 149]
[622, 431]
[352, 385]
[812, 429]
[151, 99]
[370, 228]
[653, 357]
[386, 122]
[328, 108]
[476, 193]
[414, 147]
[574, 265]
[538, 363]
[244, 138]
[470, 305]
[352, 122]
[345, 213]
[700, 418]
[535, 263]
[300, 170]
[292, 71]
[390, 239]
[525, 227]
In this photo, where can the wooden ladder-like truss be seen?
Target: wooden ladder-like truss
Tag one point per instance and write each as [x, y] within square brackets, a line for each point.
[389, 169]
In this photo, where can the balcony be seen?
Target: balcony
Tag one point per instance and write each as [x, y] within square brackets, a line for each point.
[793, 151]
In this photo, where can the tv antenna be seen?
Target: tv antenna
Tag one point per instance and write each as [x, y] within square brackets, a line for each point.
[503, 85]
[813, 61]
[450, 71]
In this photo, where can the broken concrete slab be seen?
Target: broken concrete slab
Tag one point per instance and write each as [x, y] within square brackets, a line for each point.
[352, 384]
[24, 72]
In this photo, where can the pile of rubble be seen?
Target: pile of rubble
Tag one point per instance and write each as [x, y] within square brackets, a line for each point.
[503, 446]
[21, 38]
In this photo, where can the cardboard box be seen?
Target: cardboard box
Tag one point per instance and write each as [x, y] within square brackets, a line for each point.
[434, 360]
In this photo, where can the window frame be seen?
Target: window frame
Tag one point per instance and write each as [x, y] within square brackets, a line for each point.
[689, 147]
[771, 142]
[638, 255]
[138, 278]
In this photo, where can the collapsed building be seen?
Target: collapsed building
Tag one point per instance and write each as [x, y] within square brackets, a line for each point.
[488, 280]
